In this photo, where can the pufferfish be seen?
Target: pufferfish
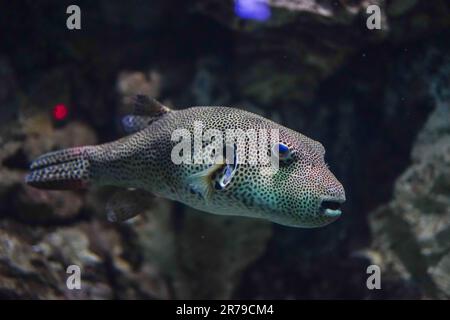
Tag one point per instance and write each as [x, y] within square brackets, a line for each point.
[301, 193]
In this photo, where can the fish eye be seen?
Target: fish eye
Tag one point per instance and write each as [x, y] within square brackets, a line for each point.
[284, 152]
[282, 148]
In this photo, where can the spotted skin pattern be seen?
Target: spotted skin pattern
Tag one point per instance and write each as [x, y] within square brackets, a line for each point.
[292, 196]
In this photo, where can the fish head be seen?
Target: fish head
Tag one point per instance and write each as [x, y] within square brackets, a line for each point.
[302, 192]
[309, 194]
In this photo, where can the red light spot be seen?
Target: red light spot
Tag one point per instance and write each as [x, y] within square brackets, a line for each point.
[60, 112]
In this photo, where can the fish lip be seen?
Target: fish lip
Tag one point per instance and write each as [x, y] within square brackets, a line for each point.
[335, 210]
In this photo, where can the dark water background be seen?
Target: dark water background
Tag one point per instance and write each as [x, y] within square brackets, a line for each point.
[365, 94]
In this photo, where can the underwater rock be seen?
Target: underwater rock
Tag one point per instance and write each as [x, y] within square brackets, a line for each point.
[222, 247]
[22, 273]
[33, 263]
[194, 255]
[278, 69]
[151, 247]
[412, 232]
[42, 206]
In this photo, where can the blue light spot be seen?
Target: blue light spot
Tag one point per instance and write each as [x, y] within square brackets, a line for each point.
[252, 9]
[128, 123]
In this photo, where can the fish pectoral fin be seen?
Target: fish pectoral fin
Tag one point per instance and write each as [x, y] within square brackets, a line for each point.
[201, 182]
[126, 204]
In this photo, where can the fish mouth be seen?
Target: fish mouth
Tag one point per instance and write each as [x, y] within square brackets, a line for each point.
[331, 207]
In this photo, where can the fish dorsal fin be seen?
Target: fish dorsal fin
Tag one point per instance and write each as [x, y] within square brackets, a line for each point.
[146, 110]
[147, 107]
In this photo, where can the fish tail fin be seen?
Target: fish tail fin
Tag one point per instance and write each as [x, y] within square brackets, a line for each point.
[61, 170]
